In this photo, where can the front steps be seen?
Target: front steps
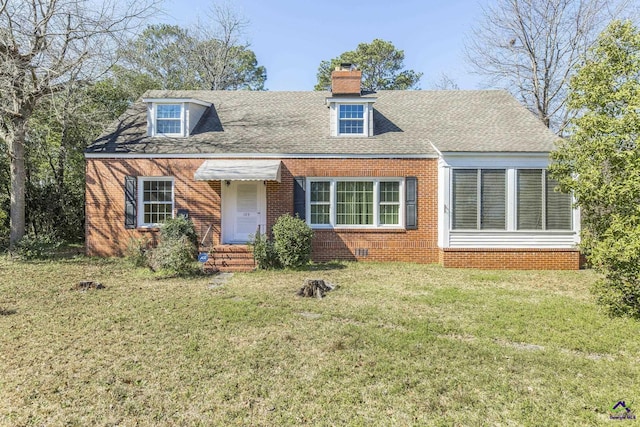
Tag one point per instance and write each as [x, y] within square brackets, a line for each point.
[230, 258]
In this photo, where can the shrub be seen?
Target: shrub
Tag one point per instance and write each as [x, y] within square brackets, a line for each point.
[40, 246]
[292, 241]
[138, 251]
[175, 228]
[177, 251]
[174, 256]
[4, 230]
[264, 252]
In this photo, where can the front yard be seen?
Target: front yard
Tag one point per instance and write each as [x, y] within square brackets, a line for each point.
[395, 344]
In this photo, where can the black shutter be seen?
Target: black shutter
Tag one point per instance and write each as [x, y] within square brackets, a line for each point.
[411, 203]
[299, 201]
[130, 183]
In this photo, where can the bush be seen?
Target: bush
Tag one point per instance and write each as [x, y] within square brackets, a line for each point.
[177, 251]
[4, 230]
[264, 253]
[174, 256]
[40, 246]
[175, 228]
[292, 241]
[138, 251]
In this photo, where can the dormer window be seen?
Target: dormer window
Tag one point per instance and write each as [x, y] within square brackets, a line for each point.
[351, 119]
[169, 119]
[351, 116]
[174, 117]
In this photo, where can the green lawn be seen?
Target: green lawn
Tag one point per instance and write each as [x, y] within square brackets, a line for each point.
[395, 344]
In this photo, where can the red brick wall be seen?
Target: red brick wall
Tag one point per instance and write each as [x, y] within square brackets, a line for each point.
[106, 235]
[104, 206]
[512, 259]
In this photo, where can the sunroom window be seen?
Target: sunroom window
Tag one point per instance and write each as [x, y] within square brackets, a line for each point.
[479, 199]
[169, 119]
[540, 207]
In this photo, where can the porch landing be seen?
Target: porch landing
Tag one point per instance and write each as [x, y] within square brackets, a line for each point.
[231, 258]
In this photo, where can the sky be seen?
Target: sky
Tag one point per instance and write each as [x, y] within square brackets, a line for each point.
[291, 37]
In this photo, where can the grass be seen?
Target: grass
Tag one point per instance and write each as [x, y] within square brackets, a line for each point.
[395, 344]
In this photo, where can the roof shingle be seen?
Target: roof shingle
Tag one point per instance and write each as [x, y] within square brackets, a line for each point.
[405, 123]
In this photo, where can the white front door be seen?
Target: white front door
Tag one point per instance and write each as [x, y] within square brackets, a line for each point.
[243, 205]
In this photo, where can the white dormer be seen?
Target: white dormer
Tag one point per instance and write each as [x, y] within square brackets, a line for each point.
[351, 116]
[174, 117]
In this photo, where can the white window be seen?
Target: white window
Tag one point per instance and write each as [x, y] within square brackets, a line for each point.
[168, 118]
[155, 196]
[540, 207]
[351, 119]
[355, 202]
[480, 200]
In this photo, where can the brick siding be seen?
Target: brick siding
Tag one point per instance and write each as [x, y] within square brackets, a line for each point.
[512, 259]
[106, 235]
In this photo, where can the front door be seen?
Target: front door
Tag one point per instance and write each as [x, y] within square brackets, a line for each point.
[244, 205]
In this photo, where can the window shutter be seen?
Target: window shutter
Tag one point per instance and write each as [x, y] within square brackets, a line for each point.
[299, 201]
[130, 184]
[465, 199]
[530, 199]
[411, 203]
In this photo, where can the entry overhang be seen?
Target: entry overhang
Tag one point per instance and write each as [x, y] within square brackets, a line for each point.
[239, 170]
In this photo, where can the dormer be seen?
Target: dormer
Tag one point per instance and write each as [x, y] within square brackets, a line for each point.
[174, 117]
[351, 114]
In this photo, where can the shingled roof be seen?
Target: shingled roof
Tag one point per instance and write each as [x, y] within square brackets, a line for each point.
[290, 123]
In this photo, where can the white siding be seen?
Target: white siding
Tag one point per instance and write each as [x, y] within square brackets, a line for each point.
[512, 239]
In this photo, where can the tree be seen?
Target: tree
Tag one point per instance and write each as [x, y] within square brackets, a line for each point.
[161, 52]
[600, 163]
[222, 59]
[46, 45]
[208, 57]
[531, 48]
[381, 65]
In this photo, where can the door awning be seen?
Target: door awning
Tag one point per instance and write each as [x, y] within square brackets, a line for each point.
[239, 170]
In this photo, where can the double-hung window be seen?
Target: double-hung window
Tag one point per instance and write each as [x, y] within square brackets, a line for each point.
[351, 119]
[168, 119]
[479, 199]
[155, 200]
[355, 202]
[539, 206]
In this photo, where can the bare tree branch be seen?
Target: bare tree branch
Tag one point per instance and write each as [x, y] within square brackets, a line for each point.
[531, 47]
[45, 45]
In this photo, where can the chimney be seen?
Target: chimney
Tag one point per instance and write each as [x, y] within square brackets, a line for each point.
[345, 80]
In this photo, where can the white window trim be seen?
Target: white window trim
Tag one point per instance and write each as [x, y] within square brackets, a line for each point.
[376, 203]
[181, 119]
[511, 176]
[140, 200]
[364, 119]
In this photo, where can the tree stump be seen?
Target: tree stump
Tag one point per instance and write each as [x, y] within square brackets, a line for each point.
[315, 288]
[88, 284]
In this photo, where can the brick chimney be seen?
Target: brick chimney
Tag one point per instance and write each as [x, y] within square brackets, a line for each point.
[345, 80]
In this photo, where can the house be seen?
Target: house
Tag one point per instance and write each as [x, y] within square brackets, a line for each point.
[451, 177]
